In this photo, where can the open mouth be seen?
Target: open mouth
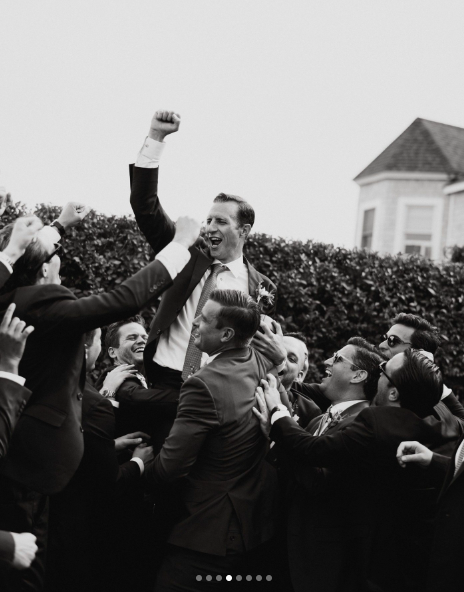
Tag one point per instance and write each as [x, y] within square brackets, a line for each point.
[139, 350]
[328, 373]
[215, 241]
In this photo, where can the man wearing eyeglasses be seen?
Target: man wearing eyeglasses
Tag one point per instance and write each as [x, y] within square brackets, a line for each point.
[323, 544]
[412, 331]
[408, 389]
[47, 444]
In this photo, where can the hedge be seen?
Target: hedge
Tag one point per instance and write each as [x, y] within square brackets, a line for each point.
[328, 293]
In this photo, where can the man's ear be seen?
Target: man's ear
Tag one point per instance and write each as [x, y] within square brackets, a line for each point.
[245, 231]
[112, 353]
[227, 334]
[300, 377]
[359, 377]
[393, 394]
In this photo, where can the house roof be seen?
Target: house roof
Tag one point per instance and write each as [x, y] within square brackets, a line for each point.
[425, 146]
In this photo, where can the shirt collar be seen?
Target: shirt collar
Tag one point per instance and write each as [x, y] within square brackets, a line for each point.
[234, 266]
[343, 405]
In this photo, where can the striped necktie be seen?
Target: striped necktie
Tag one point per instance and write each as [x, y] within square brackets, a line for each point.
[193, 354]
[459, 459]
[325, 422]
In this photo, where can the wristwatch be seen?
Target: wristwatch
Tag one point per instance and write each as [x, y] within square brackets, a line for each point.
[107, 393]
[59, 227]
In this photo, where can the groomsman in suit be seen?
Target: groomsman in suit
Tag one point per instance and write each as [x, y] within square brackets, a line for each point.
[215, 453]
[47, 444]
[170, 355]
[327, 548]
[409, 387]
[445, 568]
[409, 330]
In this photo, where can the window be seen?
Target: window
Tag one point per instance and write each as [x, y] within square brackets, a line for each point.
[418, 235]
[367, 229]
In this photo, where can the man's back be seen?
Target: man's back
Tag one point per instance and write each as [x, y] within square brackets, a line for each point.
[216, 443]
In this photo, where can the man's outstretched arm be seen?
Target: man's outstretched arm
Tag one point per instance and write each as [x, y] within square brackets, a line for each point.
[155, 224]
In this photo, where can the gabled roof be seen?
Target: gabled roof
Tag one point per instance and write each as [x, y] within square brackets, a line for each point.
[425, 146]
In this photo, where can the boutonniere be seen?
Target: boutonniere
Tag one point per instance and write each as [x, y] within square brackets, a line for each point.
[336, 418]
[264, 298]
[141, 378]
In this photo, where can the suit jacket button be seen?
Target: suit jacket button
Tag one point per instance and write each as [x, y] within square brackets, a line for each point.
[232, 538]
[82, 429]
[158, 331]
[79, 396]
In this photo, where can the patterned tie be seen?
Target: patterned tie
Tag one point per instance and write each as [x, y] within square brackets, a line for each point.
[325, 422]
[193, 354]
[459, 460]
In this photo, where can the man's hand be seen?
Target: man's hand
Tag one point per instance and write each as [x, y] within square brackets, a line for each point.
[415, 453]
[271, 393]
[187, 231]
[24, 232]
[25, 549]
[144, 452]
[130, 440]
[73, 213]
[5, 200]
[13, 336]
[162, 124]
[270, 342]
[117, 376]
[263, 413]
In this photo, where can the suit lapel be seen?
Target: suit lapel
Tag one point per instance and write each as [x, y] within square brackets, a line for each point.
[201, 265]
[254, 277]
[453, 464]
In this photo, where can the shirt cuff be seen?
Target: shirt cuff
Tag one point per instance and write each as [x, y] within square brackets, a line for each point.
[14, 377]
[139, 461]
[174, 257]
[6, 263]
[150, 154]
[278, 414]
[52, 232]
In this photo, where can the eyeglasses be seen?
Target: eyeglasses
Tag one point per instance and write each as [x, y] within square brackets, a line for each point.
[58, 248]
[382, 369]
[393, 340]
[337, 357]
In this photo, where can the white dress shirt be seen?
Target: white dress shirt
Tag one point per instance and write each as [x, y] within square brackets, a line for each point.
[173, 343]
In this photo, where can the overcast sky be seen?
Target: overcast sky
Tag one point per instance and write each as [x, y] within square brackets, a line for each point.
[282, 102]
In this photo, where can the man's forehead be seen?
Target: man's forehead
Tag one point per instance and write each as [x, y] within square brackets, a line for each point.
[295, 346]
[227, 208]
[211, 309]
[348, 351]
[395, 362]
[131, 328]
[401, 331]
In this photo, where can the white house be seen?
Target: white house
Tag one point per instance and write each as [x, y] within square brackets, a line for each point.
[411, 196]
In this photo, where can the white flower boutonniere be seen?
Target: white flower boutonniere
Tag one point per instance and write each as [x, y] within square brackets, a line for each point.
[264, 298]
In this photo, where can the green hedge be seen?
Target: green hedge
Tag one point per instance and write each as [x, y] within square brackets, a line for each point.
[326, 292]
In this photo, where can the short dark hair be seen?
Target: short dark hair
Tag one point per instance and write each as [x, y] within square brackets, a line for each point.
[245, 213]
[238, 311]
[419, 383]
[425, 335]
[368, 358]
[89, 337]
[112, 332]
[26, 269]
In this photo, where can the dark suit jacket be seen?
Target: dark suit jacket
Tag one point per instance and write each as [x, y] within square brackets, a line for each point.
[445, 571]
[159, 230]
[47, 444]
[217, 446]
[85, 507]
[404, 500]
[4, 274]
[327, 530]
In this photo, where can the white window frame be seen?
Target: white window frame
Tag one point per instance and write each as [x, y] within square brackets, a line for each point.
[372, 204]
[403, 203]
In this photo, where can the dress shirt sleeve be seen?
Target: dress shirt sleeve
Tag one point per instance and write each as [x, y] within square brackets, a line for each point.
[6, 263]
[14, 377]
[150, 154]
[140, 462]
[174, 257]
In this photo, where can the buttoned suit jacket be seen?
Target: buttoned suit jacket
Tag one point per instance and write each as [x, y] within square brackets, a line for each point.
[47, 444]
[215, 453]
[159, 230]
[445, 571]
[328, 509]
[405, 500]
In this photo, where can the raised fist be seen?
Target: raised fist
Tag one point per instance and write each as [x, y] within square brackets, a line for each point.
[24, 231]
[73, 213]
[162, 124]
[187, 231]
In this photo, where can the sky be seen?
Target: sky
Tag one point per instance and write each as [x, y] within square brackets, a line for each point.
[283, 102]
